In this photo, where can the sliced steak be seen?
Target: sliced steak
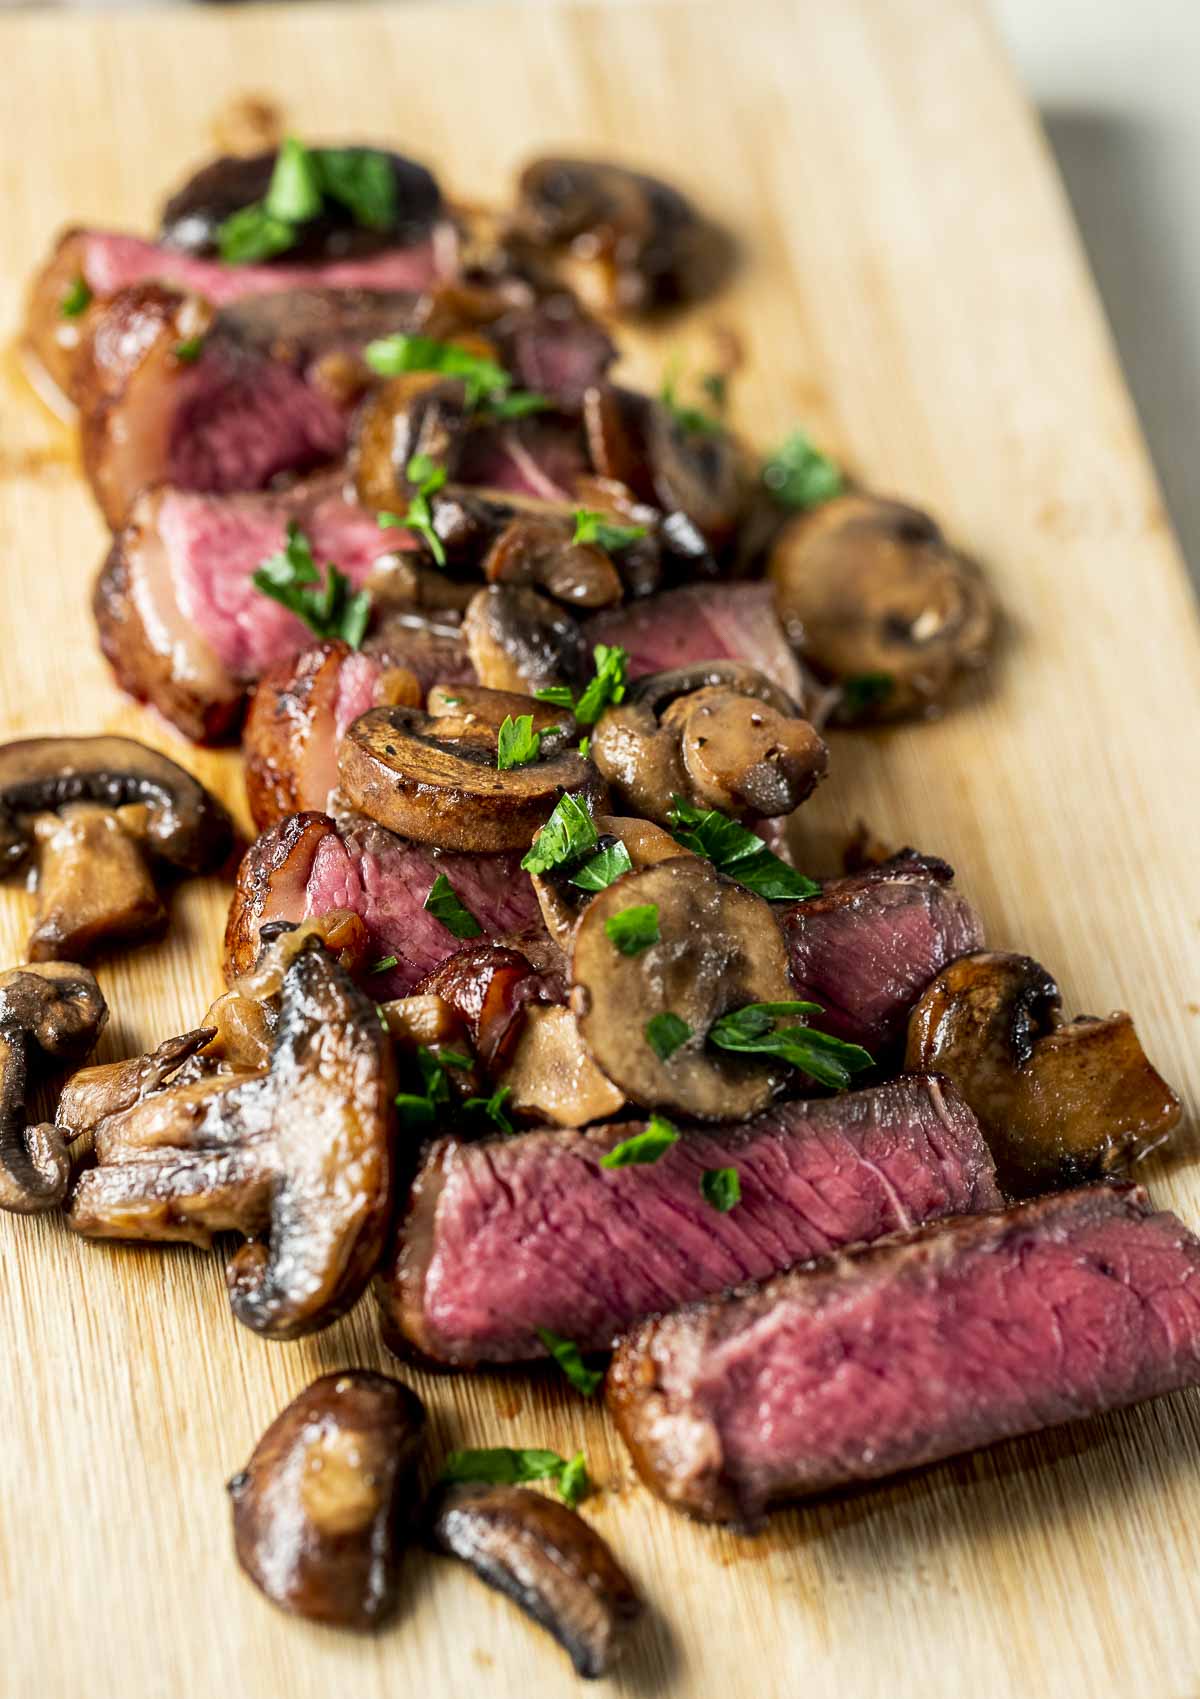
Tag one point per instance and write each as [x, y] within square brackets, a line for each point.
[867, 947]
[703, 622]
[897, 1355]
[509, 1235]
[306, 865]
[180, 620]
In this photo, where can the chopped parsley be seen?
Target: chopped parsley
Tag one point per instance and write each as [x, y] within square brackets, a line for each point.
[633, 929]
[755, 1029]
[506, 1465]
[517, 743]
[665, 1033]
[330, 609]
[568, 834]
[574, 1483]
[76, 299]
[655, 1140]
[737, 851]
[303, 179]
[694, 421]
[384, 964]
[485, 381]
[493, 1107]
[189, 350]
[570, 1360]
[362, 180]
[294, 194]
[721, 1188]
[603, 869]
[445, 904]
[428, 479]
[593, 527]
[607, 685]
[799, 475]
[419, 1110]
[866, 690]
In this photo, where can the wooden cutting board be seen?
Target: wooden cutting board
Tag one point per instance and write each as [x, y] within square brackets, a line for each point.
[914, 293]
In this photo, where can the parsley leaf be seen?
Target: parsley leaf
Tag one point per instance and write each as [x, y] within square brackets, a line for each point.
[665, 1033]
[189, 350]
[384, 964]
[574, 1484]
[294, 192]
[755, 1029]
[694, 421]
[606, 685]
[362, 180]
[592, 527]
[655, 1140]
[505, 1465]
[799, 475]
[76, 299]
[251, 235]
[303, 178]
[721, 1187]
[738, 852]
[429, 479]
[518, 404]
[493, 1107]
[569, 1359]
[390, 356]
[633, 929]
[866, 690]
[419, 1110]
[517, 743]
[568, 834]
[444, 904]
[329, 609]
[603, 869]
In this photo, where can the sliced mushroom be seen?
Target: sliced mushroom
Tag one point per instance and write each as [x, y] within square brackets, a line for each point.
[520, 640]
[416, 413]
[320, 1511]
[551, 1079]
[719, 947]
[434, 779]
[541, 552]
[562, 901]
[296, 1159]
[546, 1559]
[1059, 1102]
[874, 597]
[490, 988]
[91, 1095]
[642, 444]
[720, 734]
[56, 1013]
[98, 812]
[625, 242]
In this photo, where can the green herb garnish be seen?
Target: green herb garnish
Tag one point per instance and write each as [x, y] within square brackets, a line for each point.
[603, 869]
[445, 904]
[633, 929]
[593, 527]
[799, 475]
[189, 350]
[607, 685]
[755, 1029]
[294, 193]
[362, 180]
[486, 383]
[738, 852]
[505, 1465]
[76, 299]
[585, 745]
[866, 690]
[418, 1110]
[665, 1033]
[429, 479]
[251, 235]
[568, 834]
[493, 1107]
[517, 743]
[569, 1359]
[574, 1484]
[517, 404]
[330, 609]
[654, 1141]
[384, 964]
[721, 1187]
[692, 420]
[303, 179]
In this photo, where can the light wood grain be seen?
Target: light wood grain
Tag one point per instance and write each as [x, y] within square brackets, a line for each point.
[913, 292]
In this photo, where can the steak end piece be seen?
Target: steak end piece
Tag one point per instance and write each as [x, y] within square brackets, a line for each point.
[900, 1354]
[506, 1236]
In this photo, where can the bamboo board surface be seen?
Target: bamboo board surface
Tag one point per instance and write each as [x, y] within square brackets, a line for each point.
[914, 293]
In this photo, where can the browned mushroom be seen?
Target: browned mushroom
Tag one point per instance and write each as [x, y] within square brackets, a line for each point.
[98, 813]
[417, 413]
[656, 453]
[874, 597]
[625, 242]
[562, 900]
[551, 1079]
[320, 1511]
[1059, 1102]
[56, 1013]
[540, 551]
[720, 734]
[297, 1159]
[717, 947]
[520, 640]
[435, 779]
[545, 1558]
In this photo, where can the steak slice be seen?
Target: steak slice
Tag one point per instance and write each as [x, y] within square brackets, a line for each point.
[307, 864]
[702, 622]
[505, 1236]
[867, 947]
[180, 620]
[900, 1354]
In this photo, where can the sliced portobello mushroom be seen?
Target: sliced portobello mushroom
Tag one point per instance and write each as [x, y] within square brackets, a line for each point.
[192, 217]
[1060, 1102]
[297, 1159]
[321, 1509]
[48, 1014]
[718, 947]
[520, 640]
[876, 599]
[434, 778]
[718, 733]
[100, 815]
[545, 1558]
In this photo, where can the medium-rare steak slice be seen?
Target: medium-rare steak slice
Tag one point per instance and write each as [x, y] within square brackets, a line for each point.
[180, 620]
[867, 947]
[307, 864]
[702, 622]
[901, 1354]
[507, 1236]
